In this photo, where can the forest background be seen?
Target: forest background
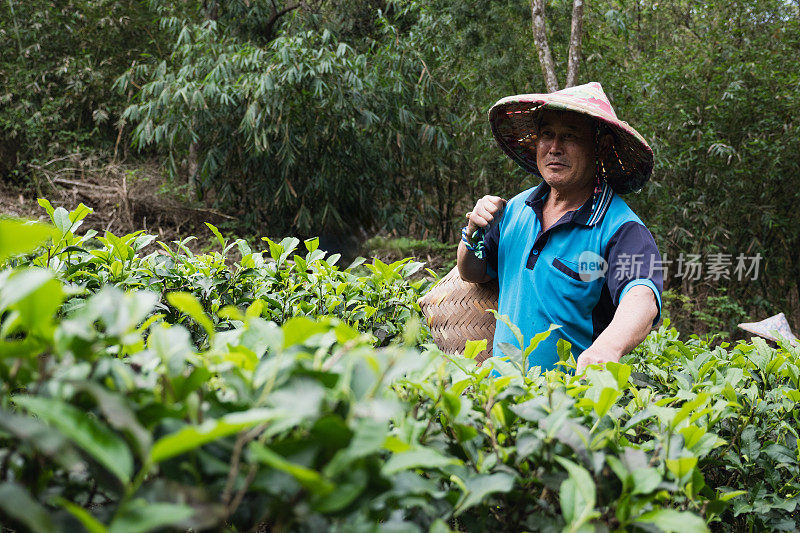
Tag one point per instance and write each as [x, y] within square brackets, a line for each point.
[361, 117]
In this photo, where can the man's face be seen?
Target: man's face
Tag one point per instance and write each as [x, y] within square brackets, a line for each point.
[565, 152]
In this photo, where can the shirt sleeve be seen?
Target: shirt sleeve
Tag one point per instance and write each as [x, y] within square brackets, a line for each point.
[491, 244]
[633, 259]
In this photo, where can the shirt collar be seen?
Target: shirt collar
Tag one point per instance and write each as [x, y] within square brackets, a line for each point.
[589, 214]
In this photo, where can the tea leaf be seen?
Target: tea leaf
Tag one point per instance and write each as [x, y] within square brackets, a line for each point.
[192, 437]
[479, 487]
[18, 504]
[473, 348]
[88, 433]
[90, 523]
[577, 495]
[645, 480]
[417, 458]
[607, 398]
[217, 234]
[620, 372]
[188, 304]
[20, 236]
[140, 516]
[672, 521]
[310, 479]
[299, 329]
[682, 466]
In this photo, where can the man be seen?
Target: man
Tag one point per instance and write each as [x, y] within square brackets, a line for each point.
[569, 251]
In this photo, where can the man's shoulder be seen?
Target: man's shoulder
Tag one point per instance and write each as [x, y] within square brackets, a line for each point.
[520, 198]
[620, 213]
[622, 224]
[515, 207]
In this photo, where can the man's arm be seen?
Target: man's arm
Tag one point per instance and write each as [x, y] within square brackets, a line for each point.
[470, 268]
[629, 327]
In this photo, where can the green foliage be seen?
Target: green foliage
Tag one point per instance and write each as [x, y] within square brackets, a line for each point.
[719, 314]
[306, 131]
[711, 86]
[220, 289]
[58, 64]
[374, 115]
[147, 408]
[274, 126]
[21, 236]
[440, 257]
[406, 246]
[125, 411]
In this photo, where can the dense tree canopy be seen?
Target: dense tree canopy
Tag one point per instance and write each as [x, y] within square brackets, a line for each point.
[58, 62]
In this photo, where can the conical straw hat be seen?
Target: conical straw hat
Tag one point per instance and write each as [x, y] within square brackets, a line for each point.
[515, 119]
[774, 328]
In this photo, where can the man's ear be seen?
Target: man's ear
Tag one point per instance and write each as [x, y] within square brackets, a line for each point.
[605, 144]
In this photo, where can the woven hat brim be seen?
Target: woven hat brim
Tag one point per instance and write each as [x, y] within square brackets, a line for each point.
[772, 328]
[514, 119]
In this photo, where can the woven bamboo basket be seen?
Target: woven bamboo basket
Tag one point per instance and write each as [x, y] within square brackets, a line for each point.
[456, 311]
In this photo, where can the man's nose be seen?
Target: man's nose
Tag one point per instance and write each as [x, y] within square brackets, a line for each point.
[555, 145]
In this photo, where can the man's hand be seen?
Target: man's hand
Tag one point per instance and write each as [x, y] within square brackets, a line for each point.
[596, 355]
[631, 323]
[484, 212]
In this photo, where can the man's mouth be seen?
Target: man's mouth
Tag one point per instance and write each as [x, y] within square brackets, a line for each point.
[556, 164]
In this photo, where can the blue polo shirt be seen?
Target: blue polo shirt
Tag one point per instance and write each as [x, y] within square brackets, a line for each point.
[574, 274]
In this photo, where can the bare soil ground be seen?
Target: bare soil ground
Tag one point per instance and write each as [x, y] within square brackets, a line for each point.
[125, 198]
[128, 197]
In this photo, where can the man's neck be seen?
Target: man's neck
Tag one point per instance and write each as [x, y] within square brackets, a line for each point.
[567, 200]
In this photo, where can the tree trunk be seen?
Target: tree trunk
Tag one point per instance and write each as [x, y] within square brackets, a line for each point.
[576, 33]
[211, 8]
[192, 182]
[540, 40]
[269, 27]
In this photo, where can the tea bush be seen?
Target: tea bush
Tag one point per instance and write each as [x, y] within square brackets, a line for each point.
[377, 298]
[191, 391]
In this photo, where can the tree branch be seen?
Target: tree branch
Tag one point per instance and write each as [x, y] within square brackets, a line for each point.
[540, 40]
[276, 14]
[576, 33]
